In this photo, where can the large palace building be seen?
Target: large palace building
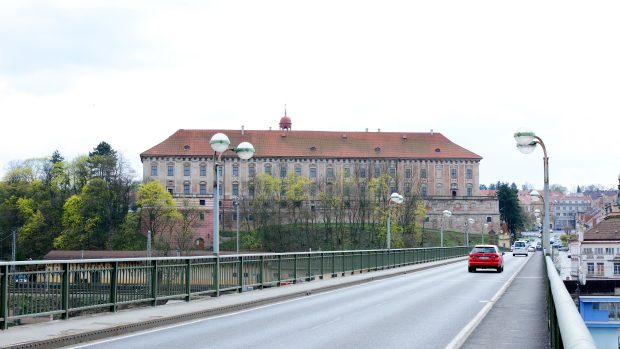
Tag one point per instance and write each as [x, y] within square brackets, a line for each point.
[424, 164]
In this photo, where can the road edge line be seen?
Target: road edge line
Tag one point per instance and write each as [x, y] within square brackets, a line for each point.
[462, 336]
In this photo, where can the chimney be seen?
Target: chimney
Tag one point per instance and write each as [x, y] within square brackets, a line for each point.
[378, 130]
[432, 132]
[242, 130]
[366, 129]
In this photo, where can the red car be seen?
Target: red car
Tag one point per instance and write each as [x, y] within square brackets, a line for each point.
[486, 256]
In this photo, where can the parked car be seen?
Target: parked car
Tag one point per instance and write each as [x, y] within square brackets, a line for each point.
[485, 256]
[539, 247]
[520, 248]
[531, 248]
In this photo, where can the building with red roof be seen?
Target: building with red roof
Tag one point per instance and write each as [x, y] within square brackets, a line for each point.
[421, 163]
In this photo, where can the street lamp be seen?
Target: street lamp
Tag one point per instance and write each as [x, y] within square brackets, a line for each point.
[445, 214]
[526, 143]
[484, 227]
[397, 199]
[219, 143]
[468, 223]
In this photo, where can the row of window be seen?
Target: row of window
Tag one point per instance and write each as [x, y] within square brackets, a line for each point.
[313, 171]
[202, 189]
[601, 250]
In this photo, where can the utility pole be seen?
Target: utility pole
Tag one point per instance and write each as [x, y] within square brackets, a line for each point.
[13, 248]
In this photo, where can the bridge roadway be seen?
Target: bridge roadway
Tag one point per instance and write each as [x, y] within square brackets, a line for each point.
[515, 318]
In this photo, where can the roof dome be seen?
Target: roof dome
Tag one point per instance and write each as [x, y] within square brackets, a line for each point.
[285, 122]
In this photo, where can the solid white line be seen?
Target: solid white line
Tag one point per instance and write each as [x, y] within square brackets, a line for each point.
[462, 336]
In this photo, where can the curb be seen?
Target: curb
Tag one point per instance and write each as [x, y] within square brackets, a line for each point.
[89, 336]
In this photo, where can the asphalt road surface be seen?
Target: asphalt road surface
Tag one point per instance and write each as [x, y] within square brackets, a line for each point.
[425, 309]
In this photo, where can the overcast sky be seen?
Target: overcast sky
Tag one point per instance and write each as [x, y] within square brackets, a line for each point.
[75, 73]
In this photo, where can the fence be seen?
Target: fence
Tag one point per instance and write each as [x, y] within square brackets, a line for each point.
[65, 288]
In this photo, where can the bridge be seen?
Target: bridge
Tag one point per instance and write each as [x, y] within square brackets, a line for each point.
[421, 297]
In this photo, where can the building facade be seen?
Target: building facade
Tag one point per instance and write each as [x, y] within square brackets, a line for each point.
[424, 164]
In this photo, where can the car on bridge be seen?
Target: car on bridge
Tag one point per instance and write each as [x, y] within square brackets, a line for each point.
[485, 256]
[520, 248]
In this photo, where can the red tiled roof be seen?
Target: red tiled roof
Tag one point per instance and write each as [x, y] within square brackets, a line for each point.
[318, 144]
[607, 230]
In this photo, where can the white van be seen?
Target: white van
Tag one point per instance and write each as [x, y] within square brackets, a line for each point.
[520, 248]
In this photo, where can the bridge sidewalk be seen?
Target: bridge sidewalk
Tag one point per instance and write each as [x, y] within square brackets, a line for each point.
[519, 317]
[59, 333]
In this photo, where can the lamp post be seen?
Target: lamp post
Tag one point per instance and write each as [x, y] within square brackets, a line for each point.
[445, 214]
[236, 204]
[219, 143]
[397, 199]
[484, 227]
[526, 143]
[468, 223]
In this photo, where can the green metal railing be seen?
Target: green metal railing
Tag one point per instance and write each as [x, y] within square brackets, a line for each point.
[64, 288]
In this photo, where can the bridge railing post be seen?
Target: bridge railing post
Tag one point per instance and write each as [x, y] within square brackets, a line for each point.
[188, 280]
[4, 296]
[64, 291]
[114, 287]
[262, 271]
[154, 285]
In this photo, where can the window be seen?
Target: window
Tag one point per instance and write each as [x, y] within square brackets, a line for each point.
[470, 191]
[313, 189]
[392, 171]
[616, 268]
[203, 170]
[170, 170]
[202, 216]
[423, 190]
[186, 189]
[202, 202]
[609, 250]
[587, 250]
[598, 250]
[283, 171]
[203, 189]
[347, 172]
[600, 268]
[453, 173]
[171, 191]
[438, 171]
[252, 170]
[330, 173]
[422, 173]
[469, 173]
[268, 169]
[439, 189]
[298, 171]
[407, 188]
[153, 170]
[392, 189]
[489, 219]
[186, 170]
[362, 171]
[408, 172]
[313, 172]
[235, 170]
[590, 268]
[377, 171]
[235, 189]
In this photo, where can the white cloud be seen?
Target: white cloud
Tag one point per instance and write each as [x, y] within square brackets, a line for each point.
[133, 73]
